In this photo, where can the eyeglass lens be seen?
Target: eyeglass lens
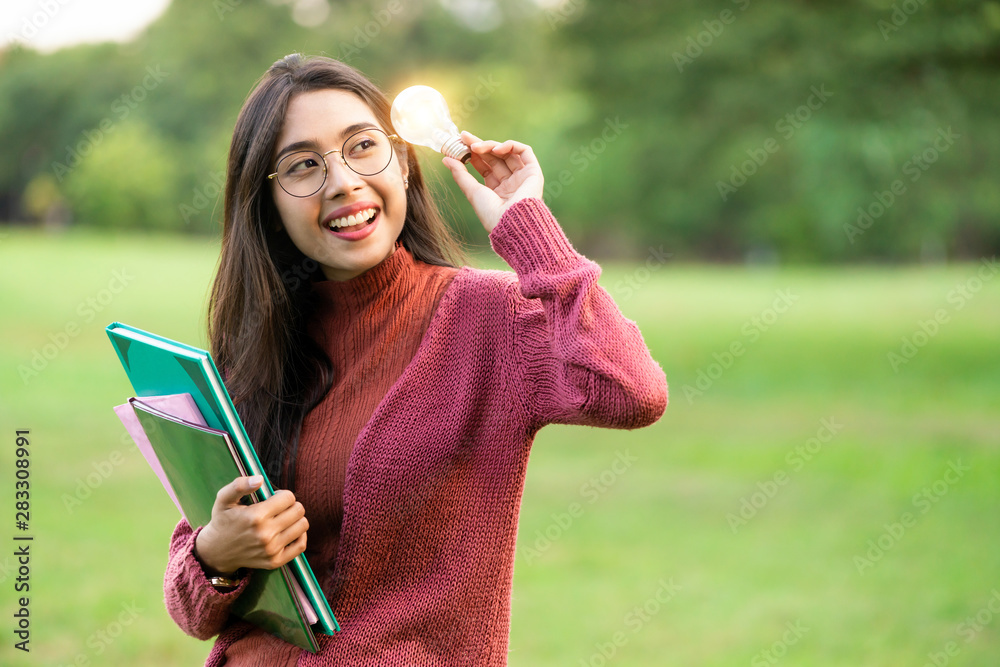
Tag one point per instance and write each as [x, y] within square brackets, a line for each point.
[303, 173]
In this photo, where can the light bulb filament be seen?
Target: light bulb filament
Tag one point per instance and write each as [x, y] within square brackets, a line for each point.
[420, 115]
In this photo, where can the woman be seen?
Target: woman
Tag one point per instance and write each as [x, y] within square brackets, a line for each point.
[395, 395]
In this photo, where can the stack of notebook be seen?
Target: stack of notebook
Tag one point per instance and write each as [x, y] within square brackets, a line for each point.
[184, 423]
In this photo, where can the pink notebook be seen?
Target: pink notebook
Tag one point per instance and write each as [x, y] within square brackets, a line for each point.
[178, 405]
[183, 407]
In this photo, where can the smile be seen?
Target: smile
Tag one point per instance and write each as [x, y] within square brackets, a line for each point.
[356, 225]
[361, 217]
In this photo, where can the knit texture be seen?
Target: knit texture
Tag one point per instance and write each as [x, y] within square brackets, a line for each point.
[370, 326]
[424, 561]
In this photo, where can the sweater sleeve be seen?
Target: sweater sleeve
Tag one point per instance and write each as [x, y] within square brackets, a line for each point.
[195, 605]
[578, 360]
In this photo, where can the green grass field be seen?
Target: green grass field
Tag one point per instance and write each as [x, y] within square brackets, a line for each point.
[804, 504]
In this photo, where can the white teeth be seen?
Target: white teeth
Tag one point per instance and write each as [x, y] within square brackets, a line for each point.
[350, 220]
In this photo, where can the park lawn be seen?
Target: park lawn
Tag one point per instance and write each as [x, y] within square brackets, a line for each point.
[802, 500]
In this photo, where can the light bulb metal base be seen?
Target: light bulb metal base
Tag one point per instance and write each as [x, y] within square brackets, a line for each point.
[455, 148]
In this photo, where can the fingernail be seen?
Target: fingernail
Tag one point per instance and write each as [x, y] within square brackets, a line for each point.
[255, 480]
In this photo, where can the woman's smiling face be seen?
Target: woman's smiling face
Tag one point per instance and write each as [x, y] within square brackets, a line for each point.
[321, 120]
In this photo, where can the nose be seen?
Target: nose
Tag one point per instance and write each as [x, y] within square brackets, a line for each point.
[340, 179]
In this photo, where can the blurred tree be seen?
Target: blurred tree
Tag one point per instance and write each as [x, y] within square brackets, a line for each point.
[721, 130]
[703, 87]
[128, 181]
[43, 201]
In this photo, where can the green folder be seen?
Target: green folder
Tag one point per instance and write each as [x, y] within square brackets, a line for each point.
[199, 460]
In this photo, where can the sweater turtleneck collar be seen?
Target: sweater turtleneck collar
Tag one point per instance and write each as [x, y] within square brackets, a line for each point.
[394, 271]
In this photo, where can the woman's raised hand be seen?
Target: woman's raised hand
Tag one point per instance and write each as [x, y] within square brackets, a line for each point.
[264, 535]
[510, 172]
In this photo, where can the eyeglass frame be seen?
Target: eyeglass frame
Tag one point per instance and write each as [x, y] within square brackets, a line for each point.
[326, 171]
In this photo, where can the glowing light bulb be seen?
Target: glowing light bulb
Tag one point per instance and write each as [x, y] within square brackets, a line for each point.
[420, 115]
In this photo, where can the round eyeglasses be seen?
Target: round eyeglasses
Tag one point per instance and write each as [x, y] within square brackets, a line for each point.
[303, 173]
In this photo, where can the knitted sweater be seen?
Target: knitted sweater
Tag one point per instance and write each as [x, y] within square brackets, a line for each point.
[370, 326]
[423, 569]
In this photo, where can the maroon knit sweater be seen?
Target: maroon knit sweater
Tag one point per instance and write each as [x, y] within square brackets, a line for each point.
[423, 558]
[370, 326]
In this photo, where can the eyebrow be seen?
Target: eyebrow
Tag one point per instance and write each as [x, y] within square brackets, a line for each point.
[312, 143]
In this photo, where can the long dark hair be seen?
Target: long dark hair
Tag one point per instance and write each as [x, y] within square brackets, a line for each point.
[260, 300]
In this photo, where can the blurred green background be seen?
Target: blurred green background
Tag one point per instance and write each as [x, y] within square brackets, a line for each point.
[724, 130]
[796, 202]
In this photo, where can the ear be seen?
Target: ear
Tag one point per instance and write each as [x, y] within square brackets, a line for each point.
[404, 167]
